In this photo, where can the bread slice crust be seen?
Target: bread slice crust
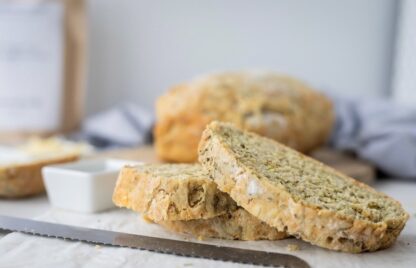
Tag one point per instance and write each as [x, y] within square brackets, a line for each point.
[234, 225]
[273, 202]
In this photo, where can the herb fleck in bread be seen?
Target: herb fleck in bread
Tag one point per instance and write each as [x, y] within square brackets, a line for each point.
[214, 215]
[297, 194]
[234, 225]
[272, 105]
[170, 192]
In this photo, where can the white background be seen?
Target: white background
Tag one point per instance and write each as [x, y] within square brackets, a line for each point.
[404, 76]
[139, 48]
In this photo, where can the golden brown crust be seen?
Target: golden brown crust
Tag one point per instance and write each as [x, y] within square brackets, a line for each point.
[275, 205]
[170, 192]
[271, 105]
[235, 225]
[20, 180]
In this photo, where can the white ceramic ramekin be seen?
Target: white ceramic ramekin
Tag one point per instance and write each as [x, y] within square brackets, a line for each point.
[83, 186]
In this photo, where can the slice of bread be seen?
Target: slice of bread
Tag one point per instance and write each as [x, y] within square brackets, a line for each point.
[170, 192]
[182, 198]
[234, 225]
[297, 194]
[21, 166]
[25, 179]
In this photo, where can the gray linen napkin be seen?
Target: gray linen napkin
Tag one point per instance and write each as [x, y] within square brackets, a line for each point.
[125, 125]
[380, 131]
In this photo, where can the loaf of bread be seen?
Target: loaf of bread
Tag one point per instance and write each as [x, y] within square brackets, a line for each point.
[272, 105]
[20, 167]
[182, 198]
[297, 194]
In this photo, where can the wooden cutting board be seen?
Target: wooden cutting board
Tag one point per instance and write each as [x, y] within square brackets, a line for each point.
[347, 164]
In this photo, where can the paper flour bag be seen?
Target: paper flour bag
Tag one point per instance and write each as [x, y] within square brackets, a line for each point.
[42, 67]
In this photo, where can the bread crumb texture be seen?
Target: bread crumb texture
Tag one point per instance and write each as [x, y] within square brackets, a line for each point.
[170, 192]
[201, 209]
[297, 194]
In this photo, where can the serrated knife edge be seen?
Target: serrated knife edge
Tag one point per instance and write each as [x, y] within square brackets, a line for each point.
[155, 244]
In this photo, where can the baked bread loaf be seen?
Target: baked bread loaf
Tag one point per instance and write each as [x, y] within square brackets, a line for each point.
[234, 225]
[20, 167]
[182, 198]
[272, 105]
[170, 192]
[297, 194]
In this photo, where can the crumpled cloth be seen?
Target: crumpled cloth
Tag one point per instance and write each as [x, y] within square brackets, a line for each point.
[377, 130]
[125, 125]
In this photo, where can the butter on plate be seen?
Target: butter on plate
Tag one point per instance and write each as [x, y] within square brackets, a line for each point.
[20, 166]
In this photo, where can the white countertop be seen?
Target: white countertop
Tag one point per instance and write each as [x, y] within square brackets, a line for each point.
[26, 208]
[21, 250]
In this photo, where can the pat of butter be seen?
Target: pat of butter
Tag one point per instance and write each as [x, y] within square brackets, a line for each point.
[10, 156]
[41, 149]
[54, 145]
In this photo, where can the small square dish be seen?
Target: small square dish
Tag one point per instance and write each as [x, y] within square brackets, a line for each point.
[84, 186]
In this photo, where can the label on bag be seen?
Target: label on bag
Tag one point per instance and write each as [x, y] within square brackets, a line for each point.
[31, 66]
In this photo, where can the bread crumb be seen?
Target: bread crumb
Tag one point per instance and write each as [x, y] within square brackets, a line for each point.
[147, 219]
[200, 238]
[293, 247]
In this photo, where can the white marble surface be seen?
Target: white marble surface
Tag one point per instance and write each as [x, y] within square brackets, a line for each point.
[18, 250]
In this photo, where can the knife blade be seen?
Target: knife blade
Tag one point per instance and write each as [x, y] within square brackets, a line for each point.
[160, 245]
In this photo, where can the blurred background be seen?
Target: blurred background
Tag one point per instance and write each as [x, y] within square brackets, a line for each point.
[95, 68]
[135, 50]
[138, 49]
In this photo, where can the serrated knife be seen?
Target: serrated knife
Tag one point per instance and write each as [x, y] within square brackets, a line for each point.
[160, 245]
